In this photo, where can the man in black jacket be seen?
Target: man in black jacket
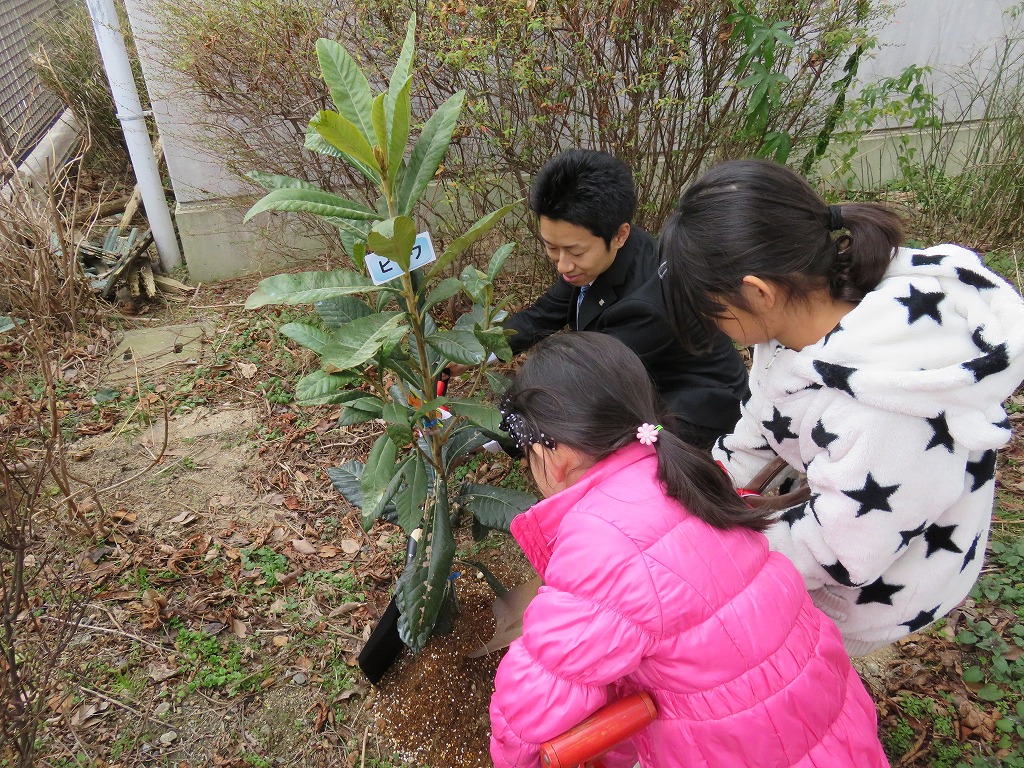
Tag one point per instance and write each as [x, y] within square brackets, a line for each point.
[608, 282]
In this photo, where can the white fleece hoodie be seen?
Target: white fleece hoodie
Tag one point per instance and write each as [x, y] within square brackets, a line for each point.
[895, 416]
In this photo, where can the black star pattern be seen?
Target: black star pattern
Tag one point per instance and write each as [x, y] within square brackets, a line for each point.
[821, 436]
[923, 259]
[872, 496]
[941, 436]
[940, 537]
[830, 334]
[972, 552]
[835, 376]
[979, 340]
[779, 426]
[995, 361]
[982, 470]
[974, 279]
[839, 573]
[764, 446]
[810, 505]
[922, 304]
[878, 592]
[746, 398]
[721, 446]
[791, 515]
[1004, 424]
[909, 536]
[923, 619]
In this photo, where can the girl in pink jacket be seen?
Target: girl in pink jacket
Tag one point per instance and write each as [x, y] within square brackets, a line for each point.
[657, 578]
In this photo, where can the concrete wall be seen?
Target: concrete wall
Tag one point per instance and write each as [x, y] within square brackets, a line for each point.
[943, 34]
[210, 201]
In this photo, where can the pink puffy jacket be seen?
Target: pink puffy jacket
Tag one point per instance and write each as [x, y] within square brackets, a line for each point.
[638, 595]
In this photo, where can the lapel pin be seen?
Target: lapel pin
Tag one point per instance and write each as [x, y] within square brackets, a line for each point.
[600, 303]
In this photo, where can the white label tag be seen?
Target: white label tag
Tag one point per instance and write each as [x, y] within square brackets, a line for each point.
[383, 270]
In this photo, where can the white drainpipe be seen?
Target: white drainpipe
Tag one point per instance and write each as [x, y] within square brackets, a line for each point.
[133, 122]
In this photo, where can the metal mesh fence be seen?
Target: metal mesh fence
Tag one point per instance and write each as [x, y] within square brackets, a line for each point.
[27, 108]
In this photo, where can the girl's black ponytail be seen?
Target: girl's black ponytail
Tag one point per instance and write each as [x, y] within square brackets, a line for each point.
[863, 255]
[700, 485]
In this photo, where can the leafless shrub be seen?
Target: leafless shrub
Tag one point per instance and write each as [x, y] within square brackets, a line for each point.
[40, 275]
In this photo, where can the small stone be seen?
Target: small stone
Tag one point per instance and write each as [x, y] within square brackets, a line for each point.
[162, 709]
[168, 738]
[299, 678]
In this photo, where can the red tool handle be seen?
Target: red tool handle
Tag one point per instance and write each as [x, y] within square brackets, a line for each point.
[584, 743]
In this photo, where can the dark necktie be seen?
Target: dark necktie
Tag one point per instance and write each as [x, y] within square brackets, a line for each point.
[579, 301]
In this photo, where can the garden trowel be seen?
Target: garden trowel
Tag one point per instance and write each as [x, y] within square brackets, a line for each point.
[384, 643]
[508, 611]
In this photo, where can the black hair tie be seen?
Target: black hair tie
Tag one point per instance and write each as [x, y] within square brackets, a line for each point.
[835, 218]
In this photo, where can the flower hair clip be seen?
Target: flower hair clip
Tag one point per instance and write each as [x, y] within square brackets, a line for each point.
[647, 434]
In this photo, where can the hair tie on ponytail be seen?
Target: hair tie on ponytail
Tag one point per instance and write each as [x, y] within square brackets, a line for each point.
[835, 218]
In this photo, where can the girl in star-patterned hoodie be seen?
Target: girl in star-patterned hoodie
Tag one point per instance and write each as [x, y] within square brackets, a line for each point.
[878, 371]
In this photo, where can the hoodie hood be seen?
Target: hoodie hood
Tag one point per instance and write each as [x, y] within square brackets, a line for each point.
[940, 333]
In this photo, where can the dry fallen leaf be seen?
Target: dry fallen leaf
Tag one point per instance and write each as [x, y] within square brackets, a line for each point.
[239, 628]
[349, 546]
[248, 370]
[280, 641]
[303, 547]
[184, 518]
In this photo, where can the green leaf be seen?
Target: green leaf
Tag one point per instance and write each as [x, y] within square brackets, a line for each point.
[357, 342]
[477, 285]
[393, 239]
[494, 506]
[442, 292]
[347, 480]
[360, 410]
[322, 388]
[338, 311]
[307, 335]
[410, 500]
[973, 675]
[399, 119]
[371, 513]
[403, 67]
[397, 104]
[342, 134]
[429, 151]
[460, 443]
[486, 417]
[498, 260]
[421, 588]
[398, 419]
[349, 88]
[315, 201]
[307, 287]
[380, 125]
[460, 244]
[380, 470]
[495, 340]
[990, 692]
[458, 345]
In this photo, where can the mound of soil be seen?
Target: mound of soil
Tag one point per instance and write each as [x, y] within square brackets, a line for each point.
[431, 708]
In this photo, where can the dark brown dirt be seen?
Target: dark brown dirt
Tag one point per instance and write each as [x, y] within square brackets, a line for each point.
[431, 708]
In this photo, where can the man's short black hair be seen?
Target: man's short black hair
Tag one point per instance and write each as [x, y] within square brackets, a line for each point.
[587, 188]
